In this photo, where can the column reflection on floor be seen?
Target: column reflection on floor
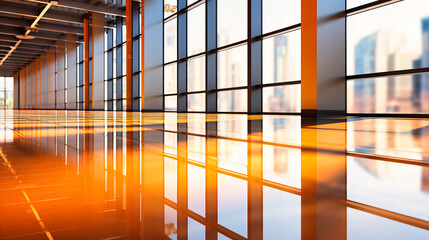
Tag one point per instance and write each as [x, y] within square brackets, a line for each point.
[118, 175]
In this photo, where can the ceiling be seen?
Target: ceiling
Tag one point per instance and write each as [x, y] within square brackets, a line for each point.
[16, 16]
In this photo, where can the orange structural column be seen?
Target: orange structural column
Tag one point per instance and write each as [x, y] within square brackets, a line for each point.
[142, 55]
[309, 55]
[86, 62]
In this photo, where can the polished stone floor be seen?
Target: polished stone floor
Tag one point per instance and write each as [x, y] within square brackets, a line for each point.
[107, 175]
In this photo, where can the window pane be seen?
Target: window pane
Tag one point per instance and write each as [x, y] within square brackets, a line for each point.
[170, 78]
[170, 7]
[232, 101]
[197, 102]
[231, 21]
[196, 30]
[170, 41]
[392, 37]
[170, 103]
[356, 3]
[197, 74]
[279, 14]
[232, 67]
[192, 1]
[395, 94]
[282, 58]
[282, 98]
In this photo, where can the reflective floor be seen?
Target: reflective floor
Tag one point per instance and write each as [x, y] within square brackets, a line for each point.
[107, 175]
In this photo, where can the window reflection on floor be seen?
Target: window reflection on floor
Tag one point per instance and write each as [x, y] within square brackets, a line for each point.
[188, 176]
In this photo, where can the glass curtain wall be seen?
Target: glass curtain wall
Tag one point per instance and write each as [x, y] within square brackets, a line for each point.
[279, 43]
[6, 92]
[115, 62]
[388, 57]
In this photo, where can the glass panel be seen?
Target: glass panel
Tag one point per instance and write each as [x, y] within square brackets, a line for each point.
[232, 101]
[196, 189]
[279, 14]
[170, 78]
[356, 3]
[388, 38]
[232, 67]
[196, 30]
[170, 7]
[170, 41]
[197, 74]
[394, 94]
[197, 102]
[282, 98]
[231, 21]
[192, 1]
[282, 58]
[232, 204]
[170, 103]
[282, 214]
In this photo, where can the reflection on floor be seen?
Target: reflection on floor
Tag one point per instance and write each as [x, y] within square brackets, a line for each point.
[107, 175]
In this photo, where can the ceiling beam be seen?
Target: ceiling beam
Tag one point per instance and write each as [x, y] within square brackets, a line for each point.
[53, 27]
[8, 30]
[35, 42]
[87, 7]
[33, 12]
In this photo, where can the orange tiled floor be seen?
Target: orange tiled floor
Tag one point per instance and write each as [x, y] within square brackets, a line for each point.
[107, 175]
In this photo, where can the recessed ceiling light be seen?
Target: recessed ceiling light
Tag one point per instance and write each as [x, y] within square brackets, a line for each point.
[53, 2]
[25, 37]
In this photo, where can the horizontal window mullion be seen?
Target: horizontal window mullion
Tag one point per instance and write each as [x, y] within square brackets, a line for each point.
[370, 6]
[288, 29]
[280, 83]
[389, 73]
[229, 89]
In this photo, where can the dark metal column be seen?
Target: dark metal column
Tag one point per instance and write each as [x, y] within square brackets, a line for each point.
[323, 84]
[129, 58]
[153, 55]
[182, 99]
[211, 57]
[254, 54]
